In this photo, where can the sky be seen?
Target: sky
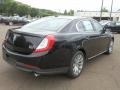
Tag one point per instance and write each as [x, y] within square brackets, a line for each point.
[61, 5]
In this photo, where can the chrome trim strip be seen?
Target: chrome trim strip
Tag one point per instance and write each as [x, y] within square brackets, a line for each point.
[96, 55]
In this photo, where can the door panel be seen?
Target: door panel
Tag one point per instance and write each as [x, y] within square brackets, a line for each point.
[91, 38]
[103, 39]
[104, 42]
[91, 45]
[96, 42]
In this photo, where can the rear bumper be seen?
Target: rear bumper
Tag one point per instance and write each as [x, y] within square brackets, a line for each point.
[36, 63]
[26, 68]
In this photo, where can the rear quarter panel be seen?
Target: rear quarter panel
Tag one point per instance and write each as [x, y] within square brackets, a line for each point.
[66, 45]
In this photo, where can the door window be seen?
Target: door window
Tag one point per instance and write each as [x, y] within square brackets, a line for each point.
[97, 26]
[79, 26]
[88, 26]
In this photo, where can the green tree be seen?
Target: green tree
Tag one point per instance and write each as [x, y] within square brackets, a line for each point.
[8, 1]
[104, 10]
[1, 8]
[11, 7]
[65, 12]
[34, 12]
[8, 7]
[23, 10]
[44, 12]
[71, 12]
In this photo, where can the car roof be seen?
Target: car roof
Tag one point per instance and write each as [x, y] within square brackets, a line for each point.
[71, 17]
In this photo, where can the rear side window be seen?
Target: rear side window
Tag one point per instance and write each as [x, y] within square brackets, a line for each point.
[88, 26]
[79, 27]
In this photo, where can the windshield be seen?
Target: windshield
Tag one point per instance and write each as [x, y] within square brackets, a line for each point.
[49, 24]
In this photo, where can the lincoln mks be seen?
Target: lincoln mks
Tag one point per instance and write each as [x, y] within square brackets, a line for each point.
[55, 45]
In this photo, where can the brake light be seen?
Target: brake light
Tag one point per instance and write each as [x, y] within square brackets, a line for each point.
[46, 44]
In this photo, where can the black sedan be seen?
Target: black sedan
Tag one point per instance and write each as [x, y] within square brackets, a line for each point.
[56, 45]
[112, 25]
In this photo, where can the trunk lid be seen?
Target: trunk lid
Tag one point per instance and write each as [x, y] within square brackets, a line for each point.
[22, 42]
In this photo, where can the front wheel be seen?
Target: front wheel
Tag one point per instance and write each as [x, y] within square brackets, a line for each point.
[110, 49]
[77, 64]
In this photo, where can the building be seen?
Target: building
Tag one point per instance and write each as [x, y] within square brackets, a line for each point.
[96, 15]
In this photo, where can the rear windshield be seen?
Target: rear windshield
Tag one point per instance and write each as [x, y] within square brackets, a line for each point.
[49, 24]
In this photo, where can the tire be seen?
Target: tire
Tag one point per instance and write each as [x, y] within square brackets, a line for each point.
[10, 23]
[76, 65]
[110, 48]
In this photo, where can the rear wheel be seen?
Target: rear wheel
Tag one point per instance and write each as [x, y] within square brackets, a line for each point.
[76, 65]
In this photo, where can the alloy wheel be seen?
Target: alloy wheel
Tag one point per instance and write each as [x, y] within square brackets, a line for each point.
[78, 64]
[111, 47]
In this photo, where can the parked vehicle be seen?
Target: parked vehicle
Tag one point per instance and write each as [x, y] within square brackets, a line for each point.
[60, 44]
[16, 20]
[112, 26]
[104, 22]
[3, 18]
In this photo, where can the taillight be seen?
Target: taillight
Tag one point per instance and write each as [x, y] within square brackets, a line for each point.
[46, 44]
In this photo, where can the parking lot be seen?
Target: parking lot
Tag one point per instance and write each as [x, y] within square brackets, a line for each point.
[101, 73]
